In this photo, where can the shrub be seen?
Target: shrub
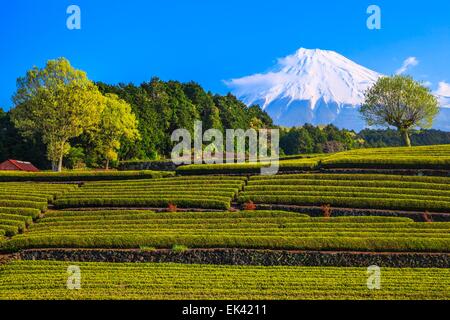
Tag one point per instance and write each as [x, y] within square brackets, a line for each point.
[246, 168]
[240, 168]
[354, 177]
[352, 183]
[8, 230]
[34, 213]
[25, 219]
[349, 202]
[81, 175]
[431, 157]
[147, 249]
[326, 210]
[170, 193]
[316, 241]
[179, 248]
[23, 204]
[426, 217]
[249, 206]
[188, 281]
[244, 229]
[211, 203]
[172, 207]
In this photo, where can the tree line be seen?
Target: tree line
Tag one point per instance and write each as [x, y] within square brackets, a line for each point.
[329, 139]
[162, 107]
[58, 103]
[61, 118]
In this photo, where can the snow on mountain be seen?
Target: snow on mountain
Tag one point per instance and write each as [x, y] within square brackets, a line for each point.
[312, 86]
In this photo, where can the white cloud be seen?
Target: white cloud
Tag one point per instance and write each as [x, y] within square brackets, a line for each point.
[428, 84]
[443, 94]
[407, 64]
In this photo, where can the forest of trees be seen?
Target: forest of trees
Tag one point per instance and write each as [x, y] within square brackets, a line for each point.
[160, 107]
[61, 118]
[315, 139]
[392, 138]
[328, 139]
[155, 141]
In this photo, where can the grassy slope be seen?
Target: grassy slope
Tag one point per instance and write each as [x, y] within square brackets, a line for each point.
[423, 157]
[259, 229]
[47, 280]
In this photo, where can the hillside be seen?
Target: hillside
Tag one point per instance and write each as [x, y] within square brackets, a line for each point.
[304, 235]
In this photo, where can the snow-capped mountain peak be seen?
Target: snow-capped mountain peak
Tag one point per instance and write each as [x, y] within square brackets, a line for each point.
[308, 86]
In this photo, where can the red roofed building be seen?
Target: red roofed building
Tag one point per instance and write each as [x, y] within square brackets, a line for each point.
[18, 166]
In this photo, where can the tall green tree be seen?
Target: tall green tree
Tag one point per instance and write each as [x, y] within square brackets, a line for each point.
[401, 102]
[57, 102]
[297, 141]
[117, 122]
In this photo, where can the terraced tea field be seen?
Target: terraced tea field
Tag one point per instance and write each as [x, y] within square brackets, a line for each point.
[191, 192]
[31, 195]
[47, 280]
[423, 157]
[304, 164]
[71, 176]
[20, 203]
[246, 230]
[351, 191]
[136, 212]
[435, 157]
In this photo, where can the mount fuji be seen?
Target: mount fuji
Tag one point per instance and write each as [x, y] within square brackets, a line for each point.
[310, 86]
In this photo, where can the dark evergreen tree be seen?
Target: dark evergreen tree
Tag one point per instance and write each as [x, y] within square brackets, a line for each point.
[14, 146]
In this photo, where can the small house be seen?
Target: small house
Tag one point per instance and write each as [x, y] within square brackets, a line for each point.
[16, 165]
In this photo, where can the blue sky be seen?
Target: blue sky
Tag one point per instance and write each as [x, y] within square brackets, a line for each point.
[209, 41]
